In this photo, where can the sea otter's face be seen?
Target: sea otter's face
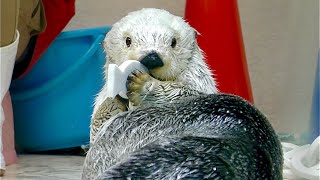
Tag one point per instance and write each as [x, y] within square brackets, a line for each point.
[164, 43]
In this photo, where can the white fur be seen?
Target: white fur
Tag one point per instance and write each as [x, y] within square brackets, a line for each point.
[153, 30]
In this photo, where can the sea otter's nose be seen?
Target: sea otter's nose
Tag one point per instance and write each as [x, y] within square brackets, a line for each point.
[152, 60]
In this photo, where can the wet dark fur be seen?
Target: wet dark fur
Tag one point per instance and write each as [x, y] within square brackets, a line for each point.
[210, 136]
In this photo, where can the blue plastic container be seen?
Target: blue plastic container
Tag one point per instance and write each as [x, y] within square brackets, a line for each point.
[54, 101]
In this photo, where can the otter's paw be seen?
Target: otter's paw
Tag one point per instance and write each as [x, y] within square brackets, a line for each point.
[139, 84]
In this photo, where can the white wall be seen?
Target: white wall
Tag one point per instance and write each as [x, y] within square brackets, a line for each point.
[281, 41]
[90, 13]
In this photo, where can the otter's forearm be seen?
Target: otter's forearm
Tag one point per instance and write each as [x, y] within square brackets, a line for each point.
[110, 107]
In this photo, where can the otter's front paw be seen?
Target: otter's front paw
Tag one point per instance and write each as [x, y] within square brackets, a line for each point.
[139, 84]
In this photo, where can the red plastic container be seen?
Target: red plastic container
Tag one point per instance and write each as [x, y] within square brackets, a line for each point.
[218, 23]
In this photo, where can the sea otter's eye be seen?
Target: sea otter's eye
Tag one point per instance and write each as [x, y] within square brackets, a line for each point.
[128, 41]
[173, 43]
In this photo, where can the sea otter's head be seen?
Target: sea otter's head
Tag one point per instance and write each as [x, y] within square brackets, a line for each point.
[164, 43]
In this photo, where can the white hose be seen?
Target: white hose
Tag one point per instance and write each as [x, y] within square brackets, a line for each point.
[301, 162]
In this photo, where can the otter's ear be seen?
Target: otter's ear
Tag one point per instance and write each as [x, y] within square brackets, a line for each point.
[197, 49]
[196, 33]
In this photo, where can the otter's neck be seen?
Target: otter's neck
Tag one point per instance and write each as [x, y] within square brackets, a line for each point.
[198, 76]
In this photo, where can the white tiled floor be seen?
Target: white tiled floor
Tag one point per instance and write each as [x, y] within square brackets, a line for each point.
[45, 167]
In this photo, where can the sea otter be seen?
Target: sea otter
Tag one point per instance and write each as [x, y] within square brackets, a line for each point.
[167, 46]
[181, 126]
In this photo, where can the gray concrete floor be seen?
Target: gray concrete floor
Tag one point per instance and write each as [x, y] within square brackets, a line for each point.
[45, 167]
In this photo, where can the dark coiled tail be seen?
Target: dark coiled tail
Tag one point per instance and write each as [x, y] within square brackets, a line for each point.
[211, 136]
